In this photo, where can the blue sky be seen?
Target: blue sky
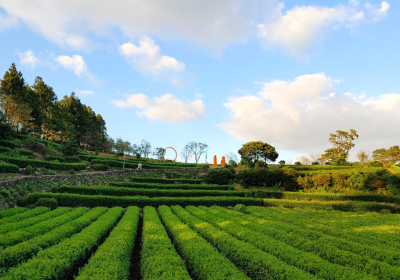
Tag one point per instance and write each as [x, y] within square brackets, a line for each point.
[219, 72]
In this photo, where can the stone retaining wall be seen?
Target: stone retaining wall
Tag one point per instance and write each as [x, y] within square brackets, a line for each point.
[90, 176]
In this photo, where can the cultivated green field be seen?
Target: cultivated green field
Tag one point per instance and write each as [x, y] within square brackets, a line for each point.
[198, 243]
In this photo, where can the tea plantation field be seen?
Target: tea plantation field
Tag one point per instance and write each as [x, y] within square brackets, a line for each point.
[155, 228]
[197, 243]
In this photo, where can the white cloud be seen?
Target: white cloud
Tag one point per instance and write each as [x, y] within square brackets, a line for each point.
[77, 64]
[28, 59]
[301, 28]
[7, 22]
[212, 24]
[84, 93]
[167, 107]
[147, 59]
[378, 14]
[298, 115]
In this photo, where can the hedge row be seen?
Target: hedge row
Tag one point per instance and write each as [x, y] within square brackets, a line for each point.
[303, 260]
[24, 215]
[379, 252]
[46, 164]
[138, 179]
[99, 167]
[75, 200]
[127, 164]
[363, 237]
[395, 168]
[63, 159]
[63, 260]
[31, 221]
[5, 150]
[329, 196]
[121, 191]
[14, 255]
[8, 168]
[204, 260]
[159, 260]
[8, 144]
[170, 186]
[256, 263]
[45, 142]
[341, 206]
[59, 217]
[12, 211]
[112, 258]
[328, 252]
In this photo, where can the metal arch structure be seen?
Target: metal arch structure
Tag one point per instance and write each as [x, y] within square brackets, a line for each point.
[176, 154]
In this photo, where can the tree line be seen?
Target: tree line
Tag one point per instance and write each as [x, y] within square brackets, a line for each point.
[35, 110]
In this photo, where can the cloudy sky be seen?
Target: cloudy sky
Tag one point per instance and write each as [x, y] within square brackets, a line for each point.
[219, 72]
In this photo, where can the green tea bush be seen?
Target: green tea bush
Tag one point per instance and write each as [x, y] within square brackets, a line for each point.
[47, 202]
[219, 176]
[99, 167]
[241, 208]
[5, 150]
[24, 162]
[170, 186]
[8, 144]
[53, 158]
[8, 168]
[72, 159]
[12, 211]
[23, 152]
[29, 170]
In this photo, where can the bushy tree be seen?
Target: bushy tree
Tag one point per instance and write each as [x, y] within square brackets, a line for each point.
[342, 143]
[70, 147]
[258, 151]
[387, 156]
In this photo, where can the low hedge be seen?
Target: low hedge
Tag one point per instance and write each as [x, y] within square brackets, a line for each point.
[8, 144]
[99, 167]
[170, 186]
[12, 211]
[120, 191]
[395, 168]
[77, 200]
[341, 206]
[164, 181]
[87, 157]
[52, 158]
[8, 168]
[72, 159]
[5, 150]
[23, 152]
[46, 164]
[334, 196]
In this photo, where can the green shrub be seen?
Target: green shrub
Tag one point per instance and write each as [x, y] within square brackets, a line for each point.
[32, 145]
[243, 184]
[241, 208]
[72, 159]
[71, 171]
[29, 170]
[8, 168]
[53, 158]
[231, 188]
[8, 144]
[218, 176]
[5, 193]
[260, 194]
[375, 164]
[385, 211]
[249, 194]
[99, 167]
[5, 150]
[24, 162]
[47, 202]
[23, 152]
[50, 172]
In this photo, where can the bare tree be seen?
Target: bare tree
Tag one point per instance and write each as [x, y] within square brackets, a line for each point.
[197, 149]
[231, 156]
[145, 148]
[363, 157]
[186, 152]
[304, 160]
[314, 158]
